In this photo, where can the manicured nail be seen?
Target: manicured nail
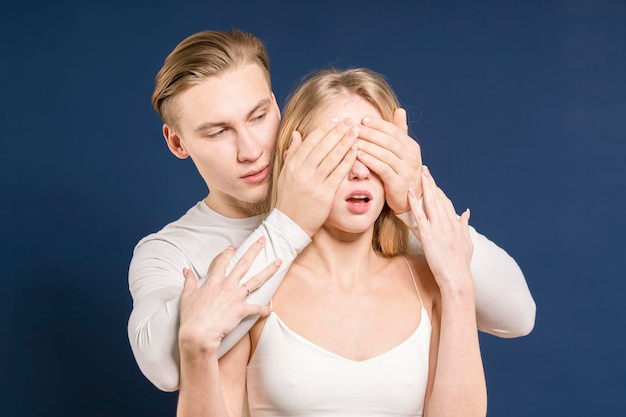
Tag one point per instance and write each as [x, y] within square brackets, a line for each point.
[366, 120]
[278, 262]
[334, 120]
[425, 170]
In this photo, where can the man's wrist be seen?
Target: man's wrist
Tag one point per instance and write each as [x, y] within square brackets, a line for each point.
[408, 218]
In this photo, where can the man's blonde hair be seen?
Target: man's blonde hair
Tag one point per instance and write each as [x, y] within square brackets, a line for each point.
[390, 234]
[202, 55]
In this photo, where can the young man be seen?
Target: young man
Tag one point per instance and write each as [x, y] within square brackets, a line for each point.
[214, 96]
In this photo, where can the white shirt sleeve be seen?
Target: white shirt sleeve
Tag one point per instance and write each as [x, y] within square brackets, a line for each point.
[284, 241]
[504, 304]
[156, 282]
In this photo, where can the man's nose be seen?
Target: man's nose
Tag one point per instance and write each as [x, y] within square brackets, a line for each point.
[248, 147]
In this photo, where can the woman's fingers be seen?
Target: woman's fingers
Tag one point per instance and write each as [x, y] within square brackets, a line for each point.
[259, 279]
[432, 197]
[218, 265]
[243, 265]
[191, 282]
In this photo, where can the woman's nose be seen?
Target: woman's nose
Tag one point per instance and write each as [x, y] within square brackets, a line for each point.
[359, 171]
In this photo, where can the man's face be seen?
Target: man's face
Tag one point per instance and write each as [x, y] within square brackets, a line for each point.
[228, 126]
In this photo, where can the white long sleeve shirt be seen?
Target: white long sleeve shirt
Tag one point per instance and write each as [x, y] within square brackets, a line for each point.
[504, 304]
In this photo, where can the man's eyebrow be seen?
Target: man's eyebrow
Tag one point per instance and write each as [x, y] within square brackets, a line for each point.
[260, 104]
[209, 125]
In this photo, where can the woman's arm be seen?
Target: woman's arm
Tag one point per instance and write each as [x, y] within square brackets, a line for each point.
[456, 383]
[210, 386]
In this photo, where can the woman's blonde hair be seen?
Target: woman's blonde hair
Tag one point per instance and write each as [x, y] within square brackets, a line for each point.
[202, 55]
[390, 234]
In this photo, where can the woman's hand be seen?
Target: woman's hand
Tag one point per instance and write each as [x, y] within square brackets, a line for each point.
[210, 311]
[444, 235]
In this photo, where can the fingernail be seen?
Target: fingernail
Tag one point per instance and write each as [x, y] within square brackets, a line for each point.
[348, 122]
[366, 120]
[334, 119]
[411, 192]
[278, 262]
[261, 240]
[185, 271]
[425, 170]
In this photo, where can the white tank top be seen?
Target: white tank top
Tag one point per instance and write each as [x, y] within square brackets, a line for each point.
[291, 376]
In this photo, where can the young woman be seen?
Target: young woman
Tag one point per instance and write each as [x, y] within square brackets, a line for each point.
[356, 327]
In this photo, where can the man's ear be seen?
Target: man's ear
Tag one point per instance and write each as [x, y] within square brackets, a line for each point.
[174, 143]
[276, 105]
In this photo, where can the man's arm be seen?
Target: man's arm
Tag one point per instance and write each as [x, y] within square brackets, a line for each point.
[504, 304]
[156, 282]
[155, 277]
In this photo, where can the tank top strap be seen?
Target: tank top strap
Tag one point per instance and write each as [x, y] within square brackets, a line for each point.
[414, 282]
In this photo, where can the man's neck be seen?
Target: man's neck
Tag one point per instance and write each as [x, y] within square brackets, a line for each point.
[232, 209]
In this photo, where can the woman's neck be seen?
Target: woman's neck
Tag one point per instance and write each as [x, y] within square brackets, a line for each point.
[345, 259]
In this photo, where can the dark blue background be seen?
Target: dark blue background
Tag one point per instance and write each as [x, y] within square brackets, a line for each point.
[520, 110]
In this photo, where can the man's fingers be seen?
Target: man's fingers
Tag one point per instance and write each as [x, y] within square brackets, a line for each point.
[399, 119]
[380, 163]
[336, 156]
[296, 141]
[320, 141]
[465, 216]
[337, 175]
[386, 141]
[384, 133]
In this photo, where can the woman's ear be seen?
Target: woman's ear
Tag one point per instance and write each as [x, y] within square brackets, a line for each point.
[174, 143]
